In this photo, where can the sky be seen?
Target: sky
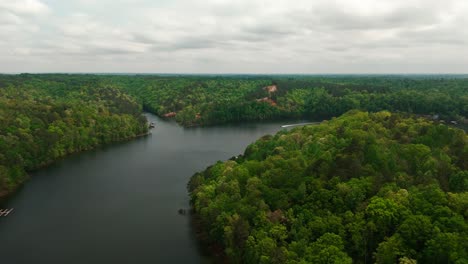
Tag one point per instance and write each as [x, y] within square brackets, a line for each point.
[238, 36]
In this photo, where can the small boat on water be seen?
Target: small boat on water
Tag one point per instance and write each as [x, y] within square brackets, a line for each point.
[151, 125]
[301, 124]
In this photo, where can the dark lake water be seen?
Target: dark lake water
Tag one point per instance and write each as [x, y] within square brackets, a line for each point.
[119, 204]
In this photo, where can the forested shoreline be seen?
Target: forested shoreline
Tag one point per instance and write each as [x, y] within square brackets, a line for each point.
[42, 121]
[198, 100]
[368, 186]
[47, 116]
[210, 100]
[361, 188]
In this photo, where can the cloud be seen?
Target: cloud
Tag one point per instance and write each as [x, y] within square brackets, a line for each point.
[7, 18]
[235, 36]
[26, 7]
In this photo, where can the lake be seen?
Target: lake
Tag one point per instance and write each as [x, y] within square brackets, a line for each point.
[119, 204]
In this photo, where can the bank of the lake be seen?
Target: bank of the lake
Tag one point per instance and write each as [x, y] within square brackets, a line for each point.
[119, 203]
[292, 197]
[4, 196]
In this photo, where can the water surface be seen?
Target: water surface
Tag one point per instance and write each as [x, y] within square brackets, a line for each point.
[119, 204]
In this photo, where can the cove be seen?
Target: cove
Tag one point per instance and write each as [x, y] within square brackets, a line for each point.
[119, 204]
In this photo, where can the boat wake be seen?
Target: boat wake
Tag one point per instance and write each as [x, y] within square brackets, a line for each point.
[300, 124]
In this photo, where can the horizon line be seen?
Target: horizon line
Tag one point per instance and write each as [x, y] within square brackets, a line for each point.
[226, 73]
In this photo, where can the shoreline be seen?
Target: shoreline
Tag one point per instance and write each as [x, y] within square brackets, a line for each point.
[5, 195]
[210, 249]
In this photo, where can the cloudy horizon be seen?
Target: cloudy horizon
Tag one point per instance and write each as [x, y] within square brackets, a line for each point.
[222, 36]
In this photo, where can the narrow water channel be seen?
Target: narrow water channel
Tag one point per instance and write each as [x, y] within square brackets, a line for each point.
[119, 204]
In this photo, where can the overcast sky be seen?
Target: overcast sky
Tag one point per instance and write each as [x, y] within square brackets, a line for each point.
[234, 36]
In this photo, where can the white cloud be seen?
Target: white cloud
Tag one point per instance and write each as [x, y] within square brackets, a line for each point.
[7, 18]
[28, 7]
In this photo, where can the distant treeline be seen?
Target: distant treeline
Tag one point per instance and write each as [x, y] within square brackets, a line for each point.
[215, 100]
[206, 100]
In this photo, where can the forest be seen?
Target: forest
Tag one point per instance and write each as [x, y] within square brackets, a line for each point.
[360, 188]
[383, 180]
[194, 100]
[44, 120]
[207, 100]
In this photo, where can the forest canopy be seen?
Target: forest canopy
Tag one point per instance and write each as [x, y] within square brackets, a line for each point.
[47, 116]
[207, 100]
[369, 186]
[43, 120]
[361, 188]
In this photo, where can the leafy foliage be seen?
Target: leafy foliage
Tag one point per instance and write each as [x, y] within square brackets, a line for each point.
[207, 100]
[43, 120]
[361, 188]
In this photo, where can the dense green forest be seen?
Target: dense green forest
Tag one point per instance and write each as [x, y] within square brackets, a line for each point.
[46, 116]
[207, 100]
[361, 188]
[204, 100]
[43, 120]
